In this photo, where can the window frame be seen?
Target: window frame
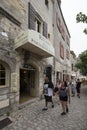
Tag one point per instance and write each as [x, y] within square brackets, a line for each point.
[67, 54]
[1, 78]
[61, 51]
[40, 25]
[7, 75]
[47, 3]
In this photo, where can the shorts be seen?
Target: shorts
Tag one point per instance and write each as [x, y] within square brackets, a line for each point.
[78, 90]
[48, 98]
[63, 98]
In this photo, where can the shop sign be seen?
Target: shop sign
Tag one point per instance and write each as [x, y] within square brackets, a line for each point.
[32, 39]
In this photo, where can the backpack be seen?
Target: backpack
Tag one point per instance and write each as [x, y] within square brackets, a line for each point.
[63, 92]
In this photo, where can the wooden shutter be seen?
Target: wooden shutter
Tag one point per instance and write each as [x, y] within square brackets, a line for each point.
[31, 17]
[61, 51]
[45, 29]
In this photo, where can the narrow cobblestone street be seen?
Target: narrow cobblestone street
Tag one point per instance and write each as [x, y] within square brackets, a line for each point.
[33, 118]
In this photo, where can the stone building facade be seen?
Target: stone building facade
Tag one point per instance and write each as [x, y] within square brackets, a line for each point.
[30, 49]
[73, 61]
[62, 45]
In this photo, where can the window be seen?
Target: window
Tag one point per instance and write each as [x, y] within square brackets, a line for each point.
[35, 21]
[49, 35]
[61, 51]
[67, 54]
[60, 26]
[72, 66]
[63, 32]
[38, 26]
[2, 75]
[58, 22]
[45, 31]
[67, 40]
[46, 3]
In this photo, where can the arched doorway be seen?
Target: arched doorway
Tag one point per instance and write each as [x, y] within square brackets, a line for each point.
[49, 72]
[27, 83]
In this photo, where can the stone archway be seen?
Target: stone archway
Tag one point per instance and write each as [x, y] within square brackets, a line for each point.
[10, 63]
[49, 71]
[28, 83]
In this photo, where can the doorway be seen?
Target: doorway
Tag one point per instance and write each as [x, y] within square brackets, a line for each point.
[27, 83]
[49, 72]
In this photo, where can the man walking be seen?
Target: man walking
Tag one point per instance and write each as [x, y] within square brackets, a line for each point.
[78, 86]
[48, 89]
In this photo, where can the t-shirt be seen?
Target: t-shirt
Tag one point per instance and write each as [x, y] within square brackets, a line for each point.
[50, 92]
[78, 85]
[45, 87]
[48, 89]
[63, 92]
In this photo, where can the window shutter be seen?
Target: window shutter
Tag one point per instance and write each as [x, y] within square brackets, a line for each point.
[45, 29]
[61, 51]
[31, 17]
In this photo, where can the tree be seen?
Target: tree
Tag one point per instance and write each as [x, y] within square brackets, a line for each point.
[82, 63]
[82, 18]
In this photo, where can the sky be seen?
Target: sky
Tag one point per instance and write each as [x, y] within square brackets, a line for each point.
[70, 8]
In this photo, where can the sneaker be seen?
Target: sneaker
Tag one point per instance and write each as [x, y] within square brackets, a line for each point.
[52, 105]
[63, 113]
[78, 96]
[44, 109]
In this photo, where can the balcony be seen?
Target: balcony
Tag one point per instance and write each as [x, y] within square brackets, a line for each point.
[34, 42]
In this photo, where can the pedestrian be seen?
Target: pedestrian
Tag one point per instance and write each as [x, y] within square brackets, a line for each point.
[58, 85]
[56, 89]
[78, 87]
[64, 95]
[73, 88]
[66, 83]
[48, 90]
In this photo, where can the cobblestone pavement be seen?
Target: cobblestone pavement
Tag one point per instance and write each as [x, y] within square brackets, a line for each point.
[33, 118]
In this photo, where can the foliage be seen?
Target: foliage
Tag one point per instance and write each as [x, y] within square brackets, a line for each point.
[82, 63]
[82, 18]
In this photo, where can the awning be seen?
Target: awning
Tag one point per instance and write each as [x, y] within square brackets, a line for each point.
[73, 74]
[34, 42]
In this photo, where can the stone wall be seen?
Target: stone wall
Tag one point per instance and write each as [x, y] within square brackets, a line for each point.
[13, 20]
